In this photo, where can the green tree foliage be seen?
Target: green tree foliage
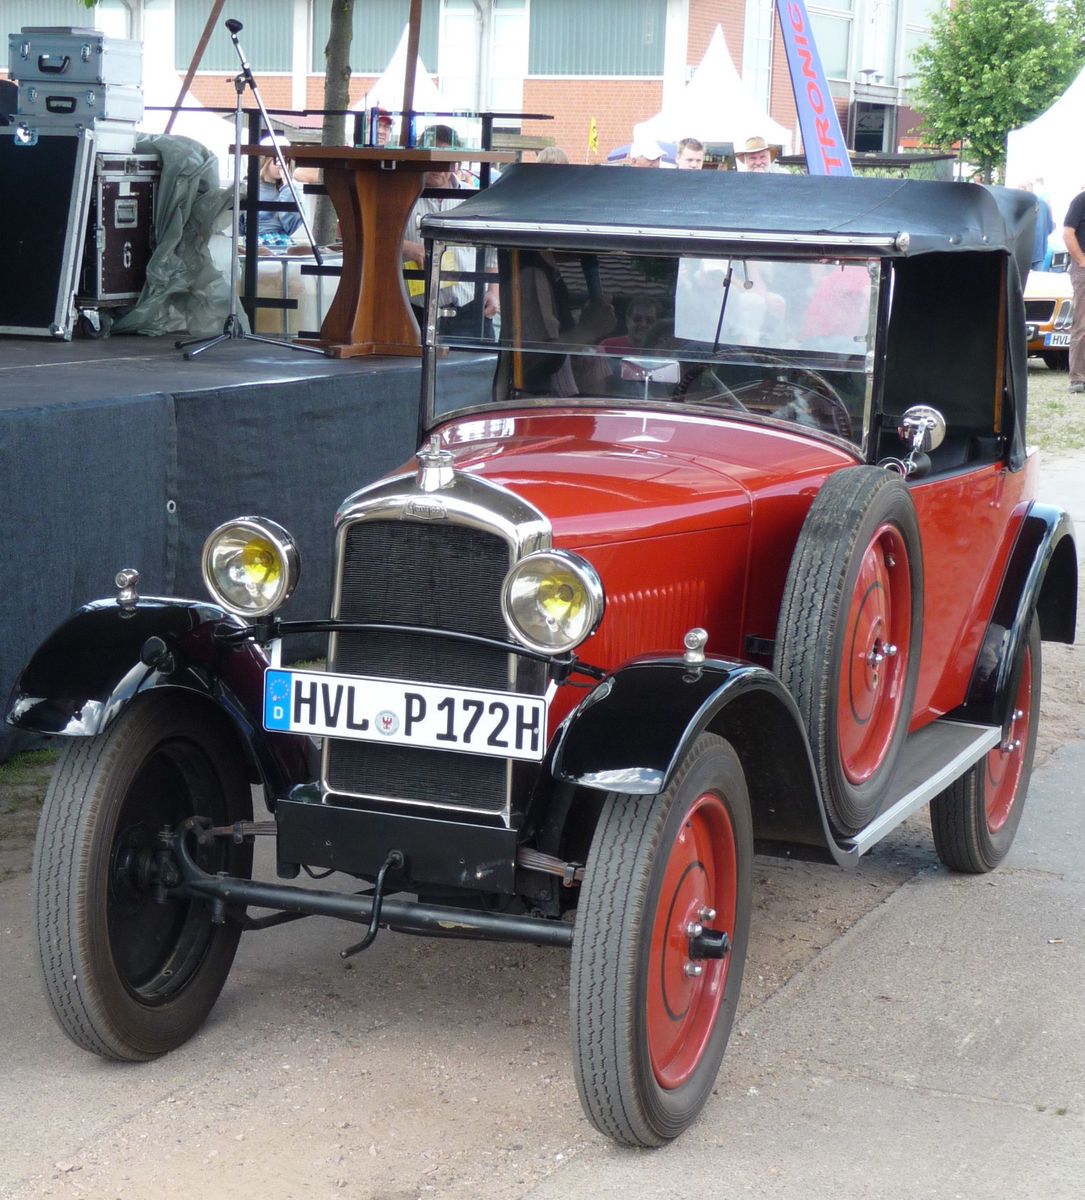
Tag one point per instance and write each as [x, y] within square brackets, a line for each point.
[992, 65]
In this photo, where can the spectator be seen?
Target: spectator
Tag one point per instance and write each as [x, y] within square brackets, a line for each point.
[690, 155]
[1045, 226]
[552, 154]
[275, 228]
[1073, 234]
[464, 313]
[384, 126]
[757, 155]
[641, 316]
[645, 154]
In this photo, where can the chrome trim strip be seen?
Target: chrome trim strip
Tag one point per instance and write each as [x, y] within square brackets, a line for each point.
[467, 500]
[466, 229]
[987, 737]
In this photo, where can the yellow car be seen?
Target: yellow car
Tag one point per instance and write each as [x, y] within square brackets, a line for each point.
[1048, 309]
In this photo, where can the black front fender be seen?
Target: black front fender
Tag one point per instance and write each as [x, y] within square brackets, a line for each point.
[631, 733]
[82, 677]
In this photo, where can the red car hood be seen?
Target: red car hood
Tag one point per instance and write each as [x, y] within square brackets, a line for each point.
[603, 475]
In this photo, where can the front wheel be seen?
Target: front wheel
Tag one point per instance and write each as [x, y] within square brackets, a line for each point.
[131, 976]
[659, 948]
[974, 820]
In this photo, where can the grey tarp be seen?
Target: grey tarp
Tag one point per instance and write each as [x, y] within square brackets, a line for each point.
[184, 290]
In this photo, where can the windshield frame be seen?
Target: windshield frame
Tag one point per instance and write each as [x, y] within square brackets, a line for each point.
[433, 352]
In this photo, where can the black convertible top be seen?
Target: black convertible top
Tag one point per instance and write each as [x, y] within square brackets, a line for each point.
[559, 206]
[945, 321]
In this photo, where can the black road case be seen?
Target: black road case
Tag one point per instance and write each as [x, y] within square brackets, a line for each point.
[120, 229]
[44, 188]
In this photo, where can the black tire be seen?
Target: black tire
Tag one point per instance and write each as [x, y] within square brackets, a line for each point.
[647, 1038]
[975, 819]
[129, 978]
[1056, 360]
[849, 601]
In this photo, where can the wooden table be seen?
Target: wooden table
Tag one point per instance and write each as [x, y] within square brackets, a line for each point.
[373, 190]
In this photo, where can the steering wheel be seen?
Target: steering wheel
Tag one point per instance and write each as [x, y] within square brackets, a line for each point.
[822, 404]
[721, 390]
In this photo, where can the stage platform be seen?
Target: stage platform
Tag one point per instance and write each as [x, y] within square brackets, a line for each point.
[119, 453]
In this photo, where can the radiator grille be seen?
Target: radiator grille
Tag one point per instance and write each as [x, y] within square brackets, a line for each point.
[1039, 310]
[439, 576]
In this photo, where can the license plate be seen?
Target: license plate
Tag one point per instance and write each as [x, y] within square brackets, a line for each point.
[1057, 339]
[501, 724]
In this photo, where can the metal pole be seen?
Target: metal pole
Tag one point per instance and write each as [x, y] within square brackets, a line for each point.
[235, 28]
[197, 58]
[414, 21]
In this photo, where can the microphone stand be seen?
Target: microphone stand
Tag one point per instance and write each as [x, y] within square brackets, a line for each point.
[233, 329]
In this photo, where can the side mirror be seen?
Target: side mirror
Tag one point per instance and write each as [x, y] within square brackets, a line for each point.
[922, 429]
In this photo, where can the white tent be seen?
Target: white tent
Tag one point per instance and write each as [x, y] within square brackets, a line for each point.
[714, 107]
[161, 83]
[1046, 149]
[387, 92]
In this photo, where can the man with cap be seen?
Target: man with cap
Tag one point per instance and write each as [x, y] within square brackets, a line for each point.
[384, 126]
[757, 155]
[645, 153]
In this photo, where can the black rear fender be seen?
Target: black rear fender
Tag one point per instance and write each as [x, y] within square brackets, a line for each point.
[631, 733]
[85, 674]
[1040, 579]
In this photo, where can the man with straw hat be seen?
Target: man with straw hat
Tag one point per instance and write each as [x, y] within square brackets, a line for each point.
[757, 155]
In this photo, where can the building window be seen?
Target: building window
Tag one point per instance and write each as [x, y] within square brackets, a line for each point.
[917, 28]
[378, 27]
[757, 50]
[508, 56]
[606, 37]
[14, 14]
[267, 37]
[832, 35]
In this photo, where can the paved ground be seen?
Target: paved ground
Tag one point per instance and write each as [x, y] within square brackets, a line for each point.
[936, 1050]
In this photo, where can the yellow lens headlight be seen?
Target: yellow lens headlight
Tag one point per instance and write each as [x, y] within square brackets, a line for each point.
[251, 566]
[552, 601]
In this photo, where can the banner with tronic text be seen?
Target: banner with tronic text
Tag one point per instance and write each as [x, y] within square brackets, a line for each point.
[822, 139]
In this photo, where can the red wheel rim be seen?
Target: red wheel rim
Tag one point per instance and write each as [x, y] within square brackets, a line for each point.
[1004, 762]
[700, 874]
[877, 636]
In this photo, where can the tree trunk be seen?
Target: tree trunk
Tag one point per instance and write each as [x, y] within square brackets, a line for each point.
[336, 95]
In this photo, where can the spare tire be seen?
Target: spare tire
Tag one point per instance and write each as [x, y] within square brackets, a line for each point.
[849, 633]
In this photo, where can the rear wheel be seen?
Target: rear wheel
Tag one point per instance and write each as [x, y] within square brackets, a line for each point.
[660, 944]
[975, 819]
[129, 977]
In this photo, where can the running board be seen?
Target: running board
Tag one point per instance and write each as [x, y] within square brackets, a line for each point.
[930, 761]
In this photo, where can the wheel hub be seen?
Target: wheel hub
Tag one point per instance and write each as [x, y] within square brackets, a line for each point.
[134, 871]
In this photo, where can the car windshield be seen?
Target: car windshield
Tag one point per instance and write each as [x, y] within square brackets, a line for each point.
[790, 340]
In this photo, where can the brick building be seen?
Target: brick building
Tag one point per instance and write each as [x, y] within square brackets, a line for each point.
[614, 61]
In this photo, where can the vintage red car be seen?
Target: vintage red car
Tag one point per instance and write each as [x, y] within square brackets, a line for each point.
[725, 541]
